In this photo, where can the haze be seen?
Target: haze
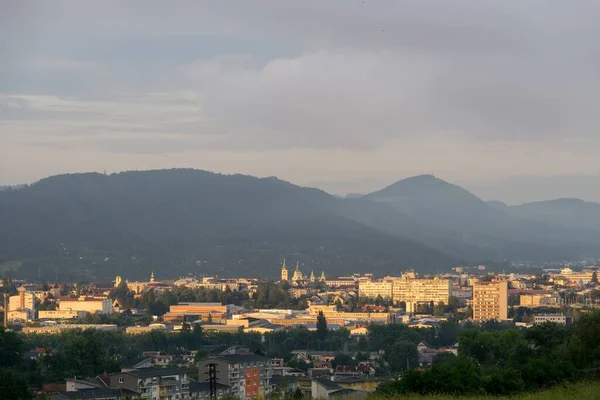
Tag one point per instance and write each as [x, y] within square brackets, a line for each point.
[345, 95]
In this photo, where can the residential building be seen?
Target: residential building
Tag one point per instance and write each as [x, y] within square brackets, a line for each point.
[362, 384]
[93, 394]
[538, 299]
[248, 375]
[559, 319]
[373, 289]
[154, 383]
[201, 390]
[414, 291]
[21, 306]
[323, 388]
[490, 300]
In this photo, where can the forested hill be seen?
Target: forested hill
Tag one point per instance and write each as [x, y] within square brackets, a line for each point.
[172, 222]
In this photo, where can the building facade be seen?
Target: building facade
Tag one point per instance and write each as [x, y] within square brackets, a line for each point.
[154, 383]
[248, 375]
[372, 289]
[87, 304]
[490, 300]
[417, 291]
[559, 319]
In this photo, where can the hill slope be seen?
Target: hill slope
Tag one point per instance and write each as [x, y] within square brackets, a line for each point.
[565, 212]
[174, 222]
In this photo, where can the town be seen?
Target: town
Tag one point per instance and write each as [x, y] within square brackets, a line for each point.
[305, 335]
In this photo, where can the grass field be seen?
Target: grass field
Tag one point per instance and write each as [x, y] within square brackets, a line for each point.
[8, 265]
[579, 391]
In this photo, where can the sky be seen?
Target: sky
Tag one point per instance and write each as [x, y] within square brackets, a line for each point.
[348, 96]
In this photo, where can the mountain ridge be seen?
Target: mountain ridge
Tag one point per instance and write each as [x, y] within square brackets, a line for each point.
[186, 220]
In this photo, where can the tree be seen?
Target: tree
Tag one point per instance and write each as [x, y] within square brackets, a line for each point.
[11, 349]
[209, 319]
[338, 304]
[13, 385]
[402, 355]
[321, 326]
[594, 277]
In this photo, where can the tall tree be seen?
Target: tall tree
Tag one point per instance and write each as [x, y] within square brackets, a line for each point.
[321, 326]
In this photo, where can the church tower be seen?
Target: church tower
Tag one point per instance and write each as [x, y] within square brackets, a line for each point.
[284, 272]
[118, 281]
[152, 277]
[312, 276]
[297, 274]
[322, 278]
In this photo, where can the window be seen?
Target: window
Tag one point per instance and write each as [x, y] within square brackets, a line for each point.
[121, 379]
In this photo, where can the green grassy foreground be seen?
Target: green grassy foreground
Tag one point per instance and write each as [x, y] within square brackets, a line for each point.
[579, 391]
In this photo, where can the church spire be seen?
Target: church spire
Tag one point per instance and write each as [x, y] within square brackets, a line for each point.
[312, 276]
[284, 272]
[322, 278]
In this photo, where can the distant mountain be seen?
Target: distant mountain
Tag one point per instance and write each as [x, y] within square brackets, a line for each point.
[353, 195]
[564, 212]
[456, 221]
[172, 222]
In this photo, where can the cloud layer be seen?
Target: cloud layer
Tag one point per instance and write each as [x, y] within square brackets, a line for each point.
[347, 92]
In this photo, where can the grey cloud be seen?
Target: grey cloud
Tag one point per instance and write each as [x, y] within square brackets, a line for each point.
[335, 75]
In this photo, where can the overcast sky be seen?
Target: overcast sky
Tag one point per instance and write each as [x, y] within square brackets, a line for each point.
[346, 95]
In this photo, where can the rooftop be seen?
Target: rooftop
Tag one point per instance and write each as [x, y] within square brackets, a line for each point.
[237, 358]
[151, 372]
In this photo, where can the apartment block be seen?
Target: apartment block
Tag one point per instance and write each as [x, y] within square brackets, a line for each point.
[490, 300]
[248, 375]
[415, 291]
[372, 289]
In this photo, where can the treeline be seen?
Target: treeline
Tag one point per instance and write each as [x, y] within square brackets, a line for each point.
[507, 361]
[84, 353]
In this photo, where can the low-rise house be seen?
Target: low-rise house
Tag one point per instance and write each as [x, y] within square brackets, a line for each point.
[560, 319]
[153, 383]
[201, 390]
[94, 394]
[353, 370]
[363, 384]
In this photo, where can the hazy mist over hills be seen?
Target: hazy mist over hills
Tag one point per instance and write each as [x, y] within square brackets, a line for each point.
[182, 221]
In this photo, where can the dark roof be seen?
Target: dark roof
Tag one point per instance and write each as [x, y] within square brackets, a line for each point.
[133, 362]
[328, 384]
[203, 387]
[97, 393]
[52, 387]
[276, 379]
[238, 358]
[348, 393]
[148, 372]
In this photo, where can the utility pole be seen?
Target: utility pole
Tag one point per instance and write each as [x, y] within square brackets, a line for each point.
[212, 380]
[5, 295]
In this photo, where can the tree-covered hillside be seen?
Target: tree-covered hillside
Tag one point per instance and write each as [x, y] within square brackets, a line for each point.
[172, 222]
